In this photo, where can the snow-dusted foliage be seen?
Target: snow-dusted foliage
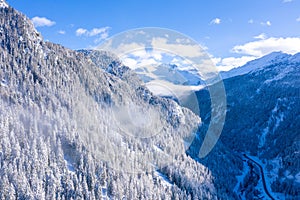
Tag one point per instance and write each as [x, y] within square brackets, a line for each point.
[61, 129]
[81, 125]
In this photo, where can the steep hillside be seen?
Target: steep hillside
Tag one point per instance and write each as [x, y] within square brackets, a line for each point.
[74, 128]
[262, 121]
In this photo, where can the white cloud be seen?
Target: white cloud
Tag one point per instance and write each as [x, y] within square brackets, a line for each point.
[81, 31]
[287, 1]
[258, 48]
[97, 31]
[100, 33]
[103, 32]
[267, 23]
[143, 54]
[261, 36]
[141, 58]
[42, 21]
[298, 19]
[129, 62]
[262, 47]
[148, 62]
[123, 48]
[62, 32]
[250, 21]
[102, 36]
[226, 64]
[185, 50]
[215, 21]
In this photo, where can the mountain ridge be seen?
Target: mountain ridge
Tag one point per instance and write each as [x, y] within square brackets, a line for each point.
[262, 121]
[65, 131]
[259, 63]
[62, 129]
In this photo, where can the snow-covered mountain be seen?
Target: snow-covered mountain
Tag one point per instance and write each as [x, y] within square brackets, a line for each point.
[81, 125]
[263, 123]
[171, 73]
[257, 64]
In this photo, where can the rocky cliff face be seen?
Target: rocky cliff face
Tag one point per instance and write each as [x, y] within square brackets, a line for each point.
[81, 125]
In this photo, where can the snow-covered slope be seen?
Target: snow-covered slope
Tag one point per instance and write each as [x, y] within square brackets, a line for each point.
[76, 126]
[257, 64]
[263, 121]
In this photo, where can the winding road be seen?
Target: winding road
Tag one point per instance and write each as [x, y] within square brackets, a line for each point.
[262, 175]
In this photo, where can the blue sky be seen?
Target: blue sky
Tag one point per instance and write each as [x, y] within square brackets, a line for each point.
[233, 31]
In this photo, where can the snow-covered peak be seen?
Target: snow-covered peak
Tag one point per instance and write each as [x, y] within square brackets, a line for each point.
[3, 4]
[257, 64]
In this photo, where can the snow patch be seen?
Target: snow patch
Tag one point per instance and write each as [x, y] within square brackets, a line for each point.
[262, 139]
[257, 64]
[280, 76]
[273, 123]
